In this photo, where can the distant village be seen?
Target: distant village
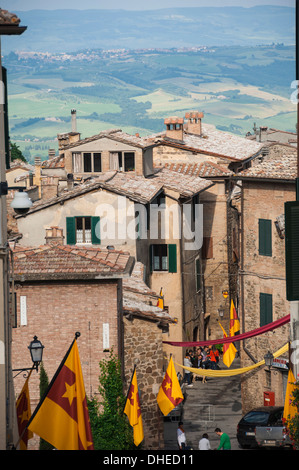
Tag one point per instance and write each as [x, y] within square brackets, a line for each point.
[91, 55]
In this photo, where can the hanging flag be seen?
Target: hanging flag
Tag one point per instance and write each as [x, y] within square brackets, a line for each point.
[229, 350]
[23, 415]
[170, 393]
[161, 300]
[133, 410]
[62, 418]
[234, 324]
[290, 410]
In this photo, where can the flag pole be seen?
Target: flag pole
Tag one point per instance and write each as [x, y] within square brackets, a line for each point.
[77, 334]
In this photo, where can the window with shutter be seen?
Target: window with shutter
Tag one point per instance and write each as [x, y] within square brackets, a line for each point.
[83, 229]
[265, 237]
[266, 314]
[163, 258]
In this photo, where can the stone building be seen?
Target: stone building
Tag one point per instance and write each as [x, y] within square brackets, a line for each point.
[261, 192]
[60, 290]
[145, 216]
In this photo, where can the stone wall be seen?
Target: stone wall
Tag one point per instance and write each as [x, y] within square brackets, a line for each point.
[143, 347]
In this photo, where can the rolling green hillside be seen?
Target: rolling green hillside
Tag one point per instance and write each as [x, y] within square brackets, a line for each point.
[135, 90]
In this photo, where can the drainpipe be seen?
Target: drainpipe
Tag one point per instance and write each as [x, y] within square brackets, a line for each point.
[242, 277]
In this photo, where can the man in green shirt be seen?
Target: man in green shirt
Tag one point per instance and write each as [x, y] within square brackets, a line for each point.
[224, 440]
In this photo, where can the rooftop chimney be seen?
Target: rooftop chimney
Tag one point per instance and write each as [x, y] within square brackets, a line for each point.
[174, 128]
[194, 122]
[263, 133]
[51, 153]
[54, 235]
[74, 120]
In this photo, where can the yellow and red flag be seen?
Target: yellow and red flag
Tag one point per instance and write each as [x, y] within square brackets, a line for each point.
[229, 350]
[161, 300]
[170, 393]
[234, 324]
[24, 414]
[133, 410]
[62, 418]
[290, 410]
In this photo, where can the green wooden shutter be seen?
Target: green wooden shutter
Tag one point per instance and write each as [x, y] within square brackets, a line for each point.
[172, 259]
[266, 314]
[95, 231]
[265, 237]
[70, 231]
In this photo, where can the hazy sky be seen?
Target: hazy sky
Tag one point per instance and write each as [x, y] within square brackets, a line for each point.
[12, 5]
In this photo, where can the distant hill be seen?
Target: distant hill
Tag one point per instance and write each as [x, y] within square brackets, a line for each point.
[71, 30]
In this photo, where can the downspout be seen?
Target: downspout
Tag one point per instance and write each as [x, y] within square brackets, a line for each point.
[242, 277]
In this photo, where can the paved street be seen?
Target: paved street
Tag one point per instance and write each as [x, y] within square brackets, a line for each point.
[216, 403]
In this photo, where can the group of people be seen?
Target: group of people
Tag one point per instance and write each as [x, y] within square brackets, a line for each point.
[203, 358]
[204, 443]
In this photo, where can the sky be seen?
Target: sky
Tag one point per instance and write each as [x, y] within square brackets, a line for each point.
[22, 5]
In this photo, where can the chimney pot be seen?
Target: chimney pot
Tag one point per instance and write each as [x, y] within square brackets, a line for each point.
[194, 122]
[174, 127]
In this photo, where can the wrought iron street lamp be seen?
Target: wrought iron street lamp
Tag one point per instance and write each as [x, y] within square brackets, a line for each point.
[269, 359]
[221, 311]
[36, 351]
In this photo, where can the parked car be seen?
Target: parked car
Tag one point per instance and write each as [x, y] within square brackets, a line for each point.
[262, 416]
[273, 436]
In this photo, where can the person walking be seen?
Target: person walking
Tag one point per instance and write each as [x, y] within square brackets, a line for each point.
[204, 443]
[181, 436]
[224, 440]
[188, 375]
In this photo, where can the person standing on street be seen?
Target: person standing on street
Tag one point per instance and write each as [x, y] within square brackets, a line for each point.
[181, 436]
[224, 440]
[188, 375]
[204, 443]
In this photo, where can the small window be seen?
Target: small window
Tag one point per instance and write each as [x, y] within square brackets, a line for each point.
[83, 229]
[129, 161]
[97, 162]
[160, 262]
[87, 162]
[91, 162]
[163, 258]
[265, 237]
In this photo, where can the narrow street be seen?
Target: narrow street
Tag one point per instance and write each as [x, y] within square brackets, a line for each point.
[216, 403]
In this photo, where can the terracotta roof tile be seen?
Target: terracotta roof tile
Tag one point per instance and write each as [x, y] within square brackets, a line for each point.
[283, 168]
[136, 188]
[213, 142]
[204, 169]
[63, 259]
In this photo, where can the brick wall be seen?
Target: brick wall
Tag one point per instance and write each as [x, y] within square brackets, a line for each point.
[54, 313]
[263, 274]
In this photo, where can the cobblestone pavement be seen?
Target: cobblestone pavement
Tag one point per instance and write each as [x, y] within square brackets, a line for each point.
[216, 403]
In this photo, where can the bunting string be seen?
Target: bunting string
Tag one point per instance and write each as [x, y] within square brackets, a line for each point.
[231, 372]
[229, 339]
